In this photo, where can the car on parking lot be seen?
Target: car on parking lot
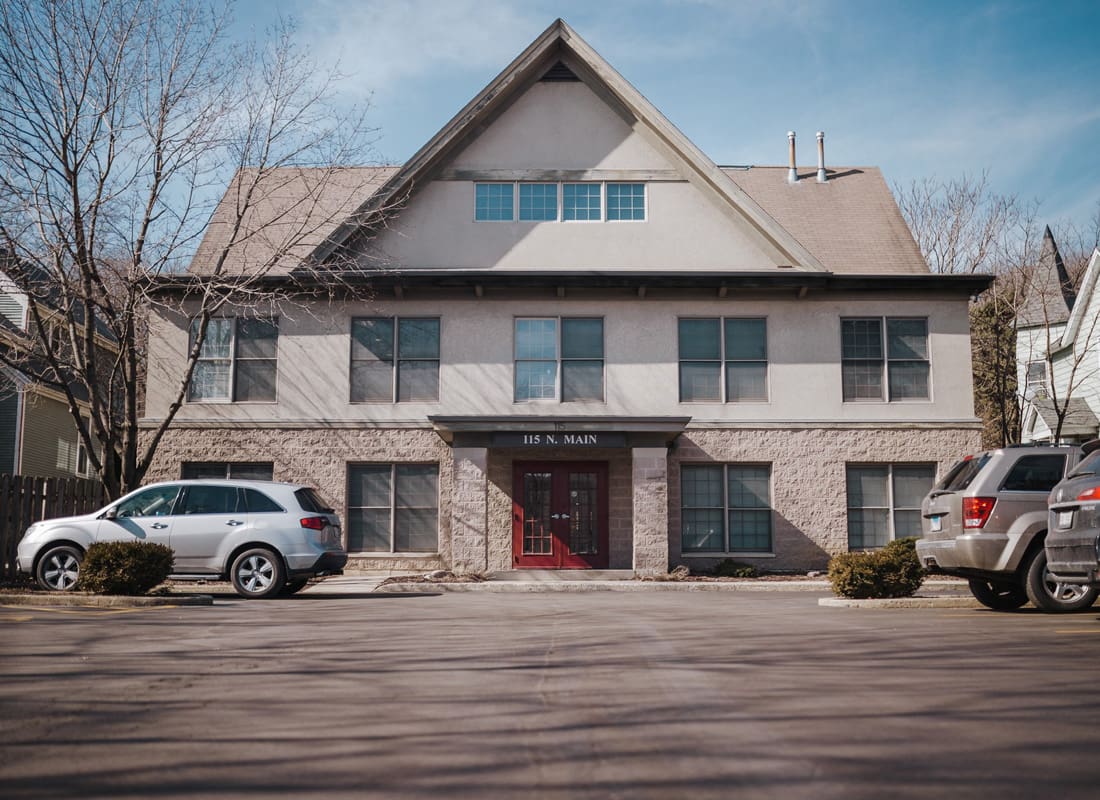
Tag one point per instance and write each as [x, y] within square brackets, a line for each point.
[1073, 544]
[265, 538]
[986, 521]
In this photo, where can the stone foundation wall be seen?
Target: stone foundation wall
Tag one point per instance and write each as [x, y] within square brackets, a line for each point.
[319, 457]
[808, 485]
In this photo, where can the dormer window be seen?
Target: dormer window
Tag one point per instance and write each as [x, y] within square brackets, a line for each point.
[560, 202]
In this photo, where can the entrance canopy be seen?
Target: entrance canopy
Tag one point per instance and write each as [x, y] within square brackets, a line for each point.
[556, 432]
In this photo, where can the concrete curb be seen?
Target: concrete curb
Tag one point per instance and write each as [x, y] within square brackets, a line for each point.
[74, 600]
[953, 601]
[500, 587]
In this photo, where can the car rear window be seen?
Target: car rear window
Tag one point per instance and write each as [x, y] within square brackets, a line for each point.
[962, 474]
[309, 500]
[1090, 466]
[1035, 474]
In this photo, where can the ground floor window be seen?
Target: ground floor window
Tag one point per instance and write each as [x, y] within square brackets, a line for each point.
[235, 470]
[725, 508]
[884, 502]
[393, 508]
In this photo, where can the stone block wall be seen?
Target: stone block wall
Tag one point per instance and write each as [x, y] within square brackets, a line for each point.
[808, 480]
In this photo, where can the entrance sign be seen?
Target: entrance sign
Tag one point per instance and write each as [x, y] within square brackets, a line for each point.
[558, 439]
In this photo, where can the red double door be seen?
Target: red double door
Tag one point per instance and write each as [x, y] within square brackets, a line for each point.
[559, 514]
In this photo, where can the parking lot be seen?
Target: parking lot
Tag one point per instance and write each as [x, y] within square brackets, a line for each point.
[655, 695]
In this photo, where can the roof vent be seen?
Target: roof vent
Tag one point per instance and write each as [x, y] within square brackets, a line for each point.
[559, 73]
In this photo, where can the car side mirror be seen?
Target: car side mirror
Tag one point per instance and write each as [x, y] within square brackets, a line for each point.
[110, 513]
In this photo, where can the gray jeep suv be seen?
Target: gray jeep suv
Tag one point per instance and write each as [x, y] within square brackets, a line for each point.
[986, 521]
[1073, 544]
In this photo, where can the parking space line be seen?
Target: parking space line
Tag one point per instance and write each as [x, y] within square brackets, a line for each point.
[87, 610]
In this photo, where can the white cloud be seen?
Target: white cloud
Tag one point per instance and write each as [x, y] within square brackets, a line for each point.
[381, 44]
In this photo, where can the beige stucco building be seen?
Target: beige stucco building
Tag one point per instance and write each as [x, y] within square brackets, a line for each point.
[579, 343]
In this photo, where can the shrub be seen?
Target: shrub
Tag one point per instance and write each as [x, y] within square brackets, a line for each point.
[893, 571]
[728, 568]
[124, 567]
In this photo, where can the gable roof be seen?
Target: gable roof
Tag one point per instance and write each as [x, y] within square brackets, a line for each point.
[560, 46]
[1049, 294]
[1081, 304]
[1079, 419]
[851, 223]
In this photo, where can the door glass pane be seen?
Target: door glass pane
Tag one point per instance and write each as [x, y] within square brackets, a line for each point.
[583, 513]
[537, 538]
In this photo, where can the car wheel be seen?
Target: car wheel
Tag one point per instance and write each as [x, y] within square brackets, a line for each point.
[1051, 596]
[257, 573]
[998, 596]
[59, 568]
[295, 586]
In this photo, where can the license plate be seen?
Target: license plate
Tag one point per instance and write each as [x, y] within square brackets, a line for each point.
[1064, 519]
[935, 524]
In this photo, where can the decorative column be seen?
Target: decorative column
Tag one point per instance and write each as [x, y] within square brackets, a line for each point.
[470, 510]
[650, 479]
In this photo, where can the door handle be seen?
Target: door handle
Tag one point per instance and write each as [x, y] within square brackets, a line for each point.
[158, 526]
[234, 522]
[559, 516]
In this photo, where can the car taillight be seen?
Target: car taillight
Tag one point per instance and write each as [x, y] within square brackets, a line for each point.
[314, 523]
[1090, 494]
[976, 511]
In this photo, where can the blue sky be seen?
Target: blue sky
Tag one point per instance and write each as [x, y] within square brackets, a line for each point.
[921, 88]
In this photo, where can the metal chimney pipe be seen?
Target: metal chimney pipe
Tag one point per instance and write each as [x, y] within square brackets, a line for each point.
[821, 157]
[792, 173]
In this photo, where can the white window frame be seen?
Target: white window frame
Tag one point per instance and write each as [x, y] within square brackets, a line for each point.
[723, 361]
[886, 396]
[395, 366]
[559, 360]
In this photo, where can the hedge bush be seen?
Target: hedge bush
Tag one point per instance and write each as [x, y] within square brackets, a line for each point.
[127, 568]
[893, 571]
[728, 568]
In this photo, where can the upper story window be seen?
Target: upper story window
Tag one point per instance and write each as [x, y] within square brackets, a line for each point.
[892, 369]
[394, 360]
[552, 353]
[551, 202]
[237, 361]
[1035, 384]
[723, 358]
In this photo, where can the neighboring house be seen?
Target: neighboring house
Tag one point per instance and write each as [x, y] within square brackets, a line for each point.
[37, 434]
[1058, 351]
[591, 346]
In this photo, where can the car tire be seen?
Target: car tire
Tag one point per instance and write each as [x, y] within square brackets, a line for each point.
[59, 568]
[1054, 598]
[295, 586]
[998, 596]
[257, 573]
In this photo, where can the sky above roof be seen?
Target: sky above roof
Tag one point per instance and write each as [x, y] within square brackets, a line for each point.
[930, 89]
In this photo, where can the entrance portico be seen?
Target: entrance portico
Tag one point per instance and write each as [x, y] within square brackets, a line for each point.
[579, 492]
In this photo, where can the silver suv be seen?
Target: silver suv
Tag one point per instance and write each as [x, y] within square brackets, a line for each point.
[987, 521]
[265, 538]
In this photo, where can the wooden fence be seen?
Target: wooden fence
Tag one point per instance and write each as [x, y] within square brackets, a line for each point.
[25, 500]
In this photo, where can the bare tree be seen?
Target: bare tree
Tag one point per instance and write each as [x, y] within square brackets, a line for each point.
[122, 120]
